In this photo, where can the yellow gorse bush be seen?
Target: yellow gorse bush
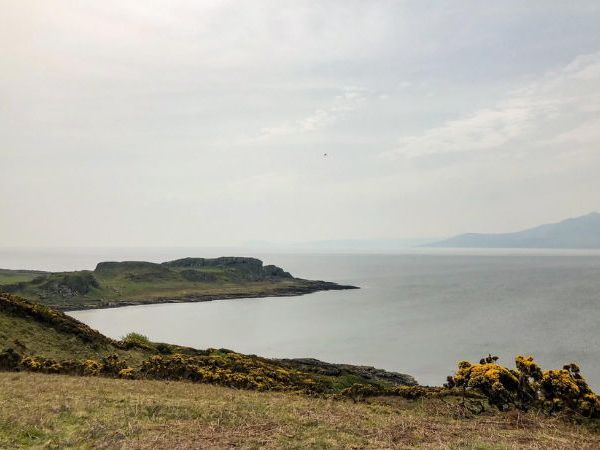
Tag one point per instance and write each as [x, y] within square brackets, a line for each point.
[127, 373]
[230, 369]
[528, 386]
[227, 369]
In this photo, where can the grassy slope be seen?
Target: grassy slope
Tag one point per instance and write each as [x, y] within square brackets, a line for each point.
[37, 330]
[34, 336]
[56, 411]
[142, 282]
[29, 337]
[16, 276]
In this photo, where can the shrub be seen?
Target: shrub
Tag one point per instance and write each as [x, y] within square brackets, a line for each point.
[128, 373]
[132, 340]
[358, 391]
[9, 359]
[108, 366]
[229, 369]
[111, 365]
[567, 389]
[528, 386]
[492, 380]
[164, 349]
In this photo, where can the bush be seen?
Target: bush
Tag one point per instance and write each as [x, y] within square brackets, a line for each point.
[132, 340]
[528, 386]
[230, 369]
[128, 373]
[163, 349]
[108, 366]
[9, 360]
[359, 391]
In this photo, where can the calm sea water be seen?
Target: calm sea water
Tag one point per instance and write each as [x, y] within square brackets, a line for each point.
[415, 313]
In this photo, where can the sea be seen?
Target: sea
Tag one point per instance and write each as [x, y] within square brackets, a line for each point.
[417, 311]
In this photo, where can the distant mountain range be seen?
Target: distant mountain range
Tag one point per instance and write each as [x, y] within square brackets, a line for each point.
[578, 233]
[338, 246]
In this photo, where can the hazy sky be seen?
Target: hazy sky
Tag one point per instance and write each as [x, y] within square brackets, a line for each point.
[206, 122]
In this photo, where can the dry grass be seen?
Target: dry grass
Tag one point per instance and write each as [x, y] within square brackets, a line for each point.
[51, 411]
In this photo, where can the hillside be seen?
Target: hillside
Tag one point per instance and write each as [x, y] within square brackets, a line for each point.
[36, 330]
[576, 233]
[55, 340]
[139, 282]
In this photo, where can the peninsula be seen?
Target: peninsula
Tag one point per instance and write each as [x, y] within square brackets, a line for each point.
[113, 284]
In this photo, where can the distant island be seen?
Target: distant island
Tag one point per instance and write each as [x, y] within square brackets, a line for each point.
[114, 284]
[575, 233]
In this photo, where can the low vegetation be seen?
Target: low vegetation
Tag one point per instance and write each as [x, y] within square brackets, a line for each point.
[528, 386]
[138, 282]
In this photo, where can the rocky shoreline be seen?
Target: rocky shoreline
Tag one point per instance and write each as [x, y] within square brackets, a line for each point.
[369, 373]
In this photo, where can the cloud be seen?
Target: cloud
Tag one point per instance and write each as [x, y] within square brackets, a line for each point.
[348, 101]
[154, 116]
[554, 107]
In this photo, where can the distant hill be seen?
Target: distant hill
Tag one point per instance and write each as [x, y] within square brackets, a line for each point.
[577, 233]
[339, 246]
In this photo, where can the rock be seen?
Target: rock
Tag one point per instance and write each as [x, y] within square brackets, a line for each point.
[370, 373]
[271, 271]
[251, 269]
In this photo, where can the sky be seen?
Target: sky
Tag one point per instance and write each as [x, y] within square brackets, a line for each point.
[176, 123]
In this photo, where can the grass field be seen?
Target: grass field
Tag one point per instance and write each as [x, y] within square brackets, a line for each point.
[54, 411]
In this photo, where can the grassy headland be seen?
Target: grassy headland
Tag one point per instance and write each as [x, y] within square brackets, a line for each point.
[138, 282]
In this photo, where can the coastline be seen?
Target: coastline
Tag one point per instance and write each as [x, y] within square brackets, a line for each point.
[287, 291]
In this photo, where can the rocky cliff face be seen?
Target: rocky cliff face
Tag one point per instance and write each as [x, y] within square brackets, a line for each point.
[195, 269]
[129, 266]
[252, 268]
